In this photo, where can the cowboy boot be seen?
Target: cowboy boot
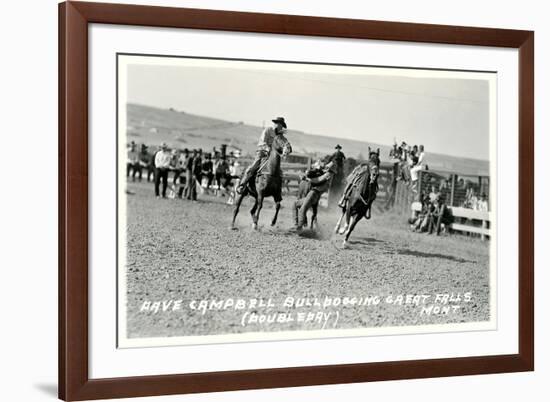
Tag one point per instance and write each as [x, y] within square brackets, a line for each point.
[344, 198]
[242, 184]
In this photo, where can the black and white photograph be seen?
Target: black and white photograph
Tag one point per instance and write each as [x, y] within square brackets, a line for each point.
[243, 201]
[276, 200]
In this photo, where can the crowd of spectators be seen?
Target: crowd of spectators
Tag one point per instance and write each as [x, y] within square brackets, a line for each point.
[472, 201]
[433, 215]
[409, 160]
[217, 173]
[191, 169]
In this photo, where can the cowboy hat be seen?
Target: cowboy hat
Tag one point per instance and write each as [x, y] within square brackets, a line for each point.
[338, 146]
[280, 120]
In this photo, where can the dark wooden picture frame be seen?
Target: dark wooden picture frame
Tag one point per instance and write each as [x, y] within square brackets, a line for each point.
[74, 381]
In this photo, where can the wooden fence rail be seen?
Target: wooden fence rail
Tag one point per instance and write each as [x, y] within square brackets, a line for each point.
[466, 220]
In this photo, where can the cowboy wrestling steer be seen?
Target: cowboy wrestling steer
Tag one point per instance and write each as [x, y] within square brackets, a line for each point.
[319, 179]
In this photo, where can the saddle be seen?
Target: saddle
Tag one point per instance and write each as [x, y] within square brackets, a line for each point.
[263, 163]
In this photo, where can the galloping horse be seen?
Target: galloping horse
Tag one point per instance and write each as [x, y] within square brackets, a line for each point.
[361, 197]
[267, 183]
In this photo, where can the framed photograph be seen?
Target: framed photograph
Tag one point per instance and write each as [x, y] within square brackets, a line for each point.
[260, 200]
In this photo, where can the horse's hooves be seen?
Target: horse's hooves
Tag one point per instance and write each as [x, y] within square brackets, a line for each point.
[255, 226]
[344, 244]
[342, 231]
[233, 228]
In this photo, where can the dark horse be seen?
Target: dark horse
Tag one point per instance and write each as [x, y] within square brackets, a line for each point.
[267, 183]
[362, 195]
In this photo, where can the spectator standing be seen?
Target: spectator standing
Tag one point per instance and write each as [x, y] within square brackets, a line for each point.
[208, 170]
[400, 155]
[162, 167]
[421, 156]
[474, 201]
[222, 172]
[182, 166]
[483, 204]
[410, 158]
[175, 165]
[471, 199]
[433, 194]
[197, 170]
[143, 161]
[190, 187]
[233, 172]
[132, 161]
[215, 165]
[235, 168]
[151, 165]
[418, 165]
[413, 156]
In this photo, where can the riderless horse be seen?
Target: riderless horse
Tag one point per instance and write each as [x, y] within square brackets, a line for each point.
[267, 183]
[362, 195]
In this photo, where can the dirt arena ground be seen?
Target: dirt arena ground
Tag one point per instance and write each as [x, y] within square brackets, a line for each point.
[182, 250]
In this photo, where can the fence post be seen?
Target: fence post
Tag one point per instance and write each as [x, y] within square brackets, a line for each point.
[453, 179]
[484, 226]
[488, 193]
[419, 185]
[405, 199]
[400, 195]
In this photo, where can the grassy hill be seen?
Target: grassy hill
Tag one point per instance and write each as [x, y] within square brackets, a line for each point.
[178, 129]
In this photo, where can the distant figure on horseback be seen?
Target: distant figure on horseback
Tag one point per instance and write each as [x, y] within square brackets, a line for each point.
[337, 182]
[359, 194]
[264, 177]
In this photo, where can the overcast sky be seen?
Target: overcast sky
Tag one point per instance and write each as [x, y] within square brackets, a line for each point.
[449, 116]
